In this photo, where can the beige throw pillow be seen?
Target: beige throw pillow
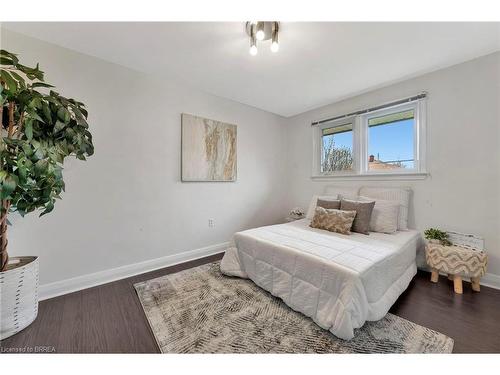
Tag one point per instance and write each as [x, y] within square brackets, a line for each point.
[333, 220]
[384, 216]
[401, 195]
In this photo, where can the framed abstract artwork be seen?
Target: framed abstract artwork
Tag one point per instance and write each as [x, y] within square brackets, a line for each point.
[208, 149]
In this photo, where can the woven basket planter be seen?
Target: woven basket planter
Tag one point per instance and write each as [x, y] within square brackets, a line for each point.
[18, 295]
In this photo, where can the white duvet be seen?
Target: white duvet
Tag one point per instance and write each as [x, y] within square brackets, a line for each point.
[340, 281]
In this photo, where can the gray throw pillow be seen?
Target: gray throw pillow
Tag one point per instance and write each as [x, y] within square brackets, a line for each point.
[363, 210]
[333, 204]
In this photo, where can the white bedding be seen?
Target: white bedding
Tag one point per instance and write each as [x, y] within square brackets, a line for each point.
[339, 281]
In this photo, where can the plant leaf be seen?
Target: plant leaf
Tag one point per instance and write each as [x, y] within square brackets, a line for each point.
[8, 186]
[63, 115]
[28, 129]
[6, 61]
[54, 128]
[41, 84]
[11, 82]
[59, 126]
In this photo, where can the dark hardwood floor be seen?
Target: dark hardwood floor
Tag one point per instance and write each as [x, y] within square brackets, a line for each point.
[109, 318]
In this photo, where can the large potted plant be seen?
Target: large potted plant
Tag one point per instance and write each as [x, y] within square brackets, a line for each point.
[39, 130]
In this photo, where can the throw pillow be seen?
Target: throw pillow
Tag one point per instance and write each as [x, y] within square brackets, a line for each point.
[331, 204]
[384, 216]
[363, 210]
[333, 220]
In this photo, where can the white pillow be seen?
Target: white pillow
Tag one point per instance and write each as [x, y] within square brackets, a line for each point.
[385, 215]
[314, 202]
[400, 195]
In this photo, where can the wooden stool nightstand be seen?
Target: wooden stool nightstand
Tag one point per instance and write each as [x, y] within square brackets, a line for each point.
[457, 262]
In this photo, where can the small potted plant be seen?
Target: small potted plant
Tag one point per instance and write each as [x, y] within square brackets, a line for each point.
[435, 235]
[39, 129]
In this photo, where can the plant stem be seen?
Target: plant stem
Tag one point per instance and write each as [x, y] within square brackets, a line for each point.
[11, 119]
[19, 126]
[4, 256]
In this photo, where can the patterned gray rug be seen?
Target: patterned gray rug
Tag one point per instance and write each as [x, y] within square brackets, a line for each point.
[202, 311]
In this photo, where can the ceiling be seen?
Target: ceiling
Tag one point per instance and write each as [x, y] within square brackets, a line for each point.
[318, 63]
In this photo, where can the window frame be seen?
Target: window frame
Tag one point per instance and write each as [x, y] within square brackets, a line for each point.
[335, 124]
[361, 141]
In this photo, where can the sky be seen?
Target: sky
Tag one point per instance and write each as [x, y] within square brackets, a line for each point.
[391, 141]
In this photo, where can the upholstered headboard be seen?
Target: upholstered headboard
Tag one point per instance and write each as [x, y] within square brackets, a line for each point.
[402, 194]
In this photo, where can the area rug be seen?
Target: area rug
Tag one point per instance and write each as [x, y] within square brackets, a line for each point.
[201, 310]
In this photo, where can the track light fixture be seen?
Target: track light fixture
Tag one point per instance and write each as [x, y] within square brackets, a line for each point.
[263, 31]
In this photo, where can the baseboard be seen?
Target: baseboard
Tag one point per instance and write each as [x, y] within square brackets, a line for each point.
[491, 280]
[59, 288]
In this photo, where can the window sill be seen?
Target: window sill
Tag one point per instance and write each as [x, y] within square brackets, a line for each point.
[373, 176]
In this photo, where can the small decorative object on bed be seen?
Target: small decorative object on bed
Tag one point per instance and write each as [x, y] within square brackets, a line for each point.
[208, 149]
[456, 258]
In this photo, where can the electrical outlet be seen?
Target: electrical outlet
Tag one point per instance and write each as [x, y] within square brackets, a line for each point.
[211, 223]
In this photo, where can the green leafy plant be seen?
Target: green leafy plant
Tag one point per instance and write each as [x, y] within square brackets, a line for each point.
[438, 235]
[39, 129]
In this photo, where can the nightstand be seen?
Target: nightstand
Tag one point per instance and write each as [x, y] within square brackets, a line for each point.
[457, 262]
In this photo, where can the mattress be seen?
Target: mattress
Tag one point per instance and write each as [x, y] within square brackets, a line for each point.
[340, 281]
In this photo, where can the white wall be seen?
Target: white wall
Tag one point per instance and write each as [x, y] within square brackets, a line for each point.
[126, 204]
[462, 192]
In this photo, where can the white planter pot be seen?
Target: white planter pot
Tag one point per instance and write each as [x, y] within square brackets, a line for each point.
[18, 295]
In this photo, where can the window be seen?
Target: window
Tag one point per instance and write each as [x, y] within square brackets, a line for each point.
[384, 142]
[337, 148]
[390, 141]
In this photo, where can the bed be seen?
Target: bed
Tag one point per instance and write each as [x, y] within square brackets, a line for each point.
[339, 281]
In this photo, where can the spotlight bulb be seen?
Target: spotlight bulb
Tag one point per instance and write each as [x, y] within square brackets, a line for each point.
[260, 34]
[253, 50]
[274, 42]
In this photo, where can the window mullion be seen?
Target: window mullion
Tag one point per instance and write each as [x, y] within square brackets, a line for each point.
[362, 144]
